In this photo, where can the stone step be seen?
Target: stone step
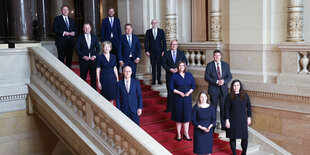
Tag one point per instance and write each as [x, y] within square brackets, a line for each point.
[260, 152]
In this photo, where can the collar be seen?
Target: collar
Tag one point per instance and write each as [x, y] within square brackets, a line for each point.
[217, 62]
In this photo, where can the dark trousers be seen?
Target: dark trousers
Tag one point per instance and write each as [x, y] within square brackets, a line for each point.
[65, 52]
[170, 97]
[244, 145]
[90, 66]
[135, 118]
[156, 66]
[215, 99]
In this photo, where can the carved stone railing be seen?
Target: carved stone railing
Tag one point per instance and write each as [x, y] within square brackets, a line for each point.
[294, 64]
[104, 126]
[199, 54]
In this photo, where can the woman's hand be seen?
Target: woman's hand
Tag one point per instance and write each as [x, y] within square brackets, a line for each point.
[249, 120]
[227, 124]
[99, 86]
[187, 94]
[182, 94]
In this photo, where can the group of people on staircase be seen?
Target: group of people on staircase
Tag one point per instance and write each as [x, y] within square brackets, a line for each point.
[125, 51]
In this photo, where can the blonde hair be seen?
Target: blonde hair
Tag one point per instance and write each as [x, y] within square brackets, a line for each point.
[208, 98]
[106, 43]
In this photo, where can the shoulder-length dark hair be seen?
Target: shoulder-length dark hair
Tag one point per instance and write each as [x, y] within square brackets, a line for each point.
[184, 65]
[241, 91]
[208, 98]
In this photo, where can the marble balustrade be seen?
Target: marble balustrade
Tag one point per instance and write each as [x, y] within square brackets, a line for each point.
[108, 123]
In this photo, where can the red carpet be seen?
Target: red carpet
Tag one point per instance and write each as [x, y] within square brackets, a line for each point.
[159, 125]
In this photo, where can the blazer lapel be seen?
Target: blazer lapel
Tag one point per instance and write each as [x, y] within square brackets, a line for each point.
[170, 56]
[131, 85]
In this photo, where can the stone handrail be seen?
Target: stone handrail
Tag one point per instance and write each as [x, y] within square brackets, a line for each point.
[198, 54]
[106, 123]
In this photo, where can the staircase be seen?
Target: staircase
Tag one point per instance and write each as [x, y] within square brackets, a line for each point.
[163, 129]
[159, 125]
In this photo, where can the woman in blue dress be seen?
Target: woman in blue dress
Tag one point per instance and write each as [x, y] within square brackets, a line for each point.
[182, 84]
[238, 115]
[203, 118]
[107, 74]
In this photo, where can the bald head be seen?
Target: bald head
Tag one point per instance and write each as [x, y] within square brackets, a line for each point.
[154, 23]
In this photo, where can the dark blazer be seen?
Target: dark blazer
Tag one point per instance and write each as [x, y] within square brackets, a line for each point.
[59, 26]
[155, 46]
[81, 47]
[168, 63]
[211, 77]
[129, 101]
[106, 29]
[124, 48]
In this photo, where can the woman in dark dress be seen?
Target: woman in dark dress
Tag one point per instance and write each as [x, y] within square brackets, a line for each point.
[182, 84]
[203, 118]
[238, 116]
[107, 75]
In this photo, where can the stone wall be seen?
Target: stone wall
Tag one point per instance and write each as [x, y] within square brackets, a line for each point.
[25, 134]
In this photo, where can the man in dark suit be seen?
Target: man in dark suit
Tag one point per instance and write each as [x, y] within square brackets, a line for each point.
[64, 29]
[87, 47]
[111, 31]
[155, 47]
[129, 98]
[129, 51]
[218, 76]
[170, 62]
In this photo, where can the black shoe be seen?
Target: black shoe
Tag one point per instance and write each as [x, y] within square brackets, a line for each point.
[179, 139]
[188, 139]
[167, 111]
[153, 83]
[159, 82]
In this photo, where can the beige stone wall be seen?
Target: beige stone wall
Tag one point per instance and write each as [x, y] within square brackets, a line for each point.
[25, 134]
[290, 130]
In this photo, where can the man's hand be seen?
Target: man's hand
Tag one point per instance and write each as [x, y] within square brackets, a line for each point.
[173, 70]
[139, 112]
[221, 82]
[71, 33]
[162, 53]
[121, 63]
[93, 58]
[99, 86]
[137, 61]
[147, 54]
[66, 33]
[86, 58]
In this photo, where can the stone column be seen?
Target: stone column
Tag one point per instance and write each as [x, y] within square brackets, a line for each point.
[3, 21]
[171, 17]
[91, 14]
[215, 23]
[44, 24]
[20, 18]
[295, 21]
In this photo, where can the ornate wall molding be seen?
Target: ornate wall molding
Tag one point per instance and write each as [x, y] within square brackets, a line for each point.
[13, 97]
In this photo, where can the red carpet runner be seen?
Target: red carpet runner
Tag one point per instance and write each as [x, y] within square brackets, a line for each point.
[158, 124]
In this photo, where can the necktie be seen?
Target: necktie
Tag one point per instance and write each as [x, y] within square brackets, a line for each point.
[67, 23]
[218, 71]
[88, 41]
[173, 56]
[154, 33]
[127, 86]
[111, 22]
[129, 41]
